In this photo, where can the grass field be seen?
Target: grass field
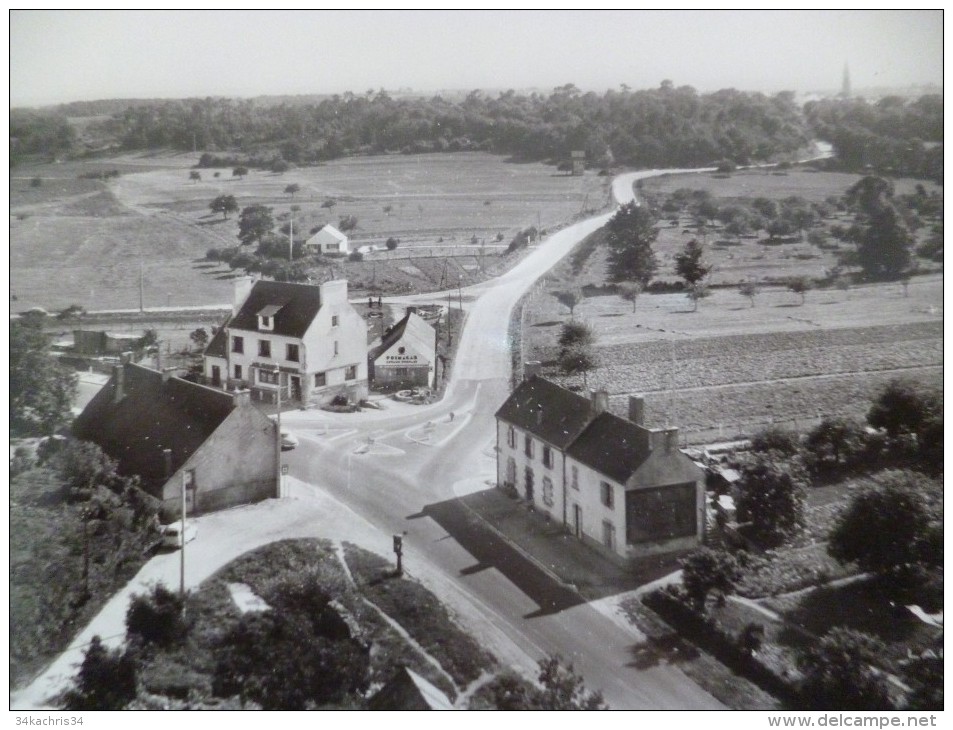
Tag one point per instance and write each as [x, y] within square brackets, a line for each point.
[83, 241]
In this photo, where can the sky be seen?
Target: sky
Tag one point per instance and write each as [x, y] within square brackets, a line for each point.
[58, 56]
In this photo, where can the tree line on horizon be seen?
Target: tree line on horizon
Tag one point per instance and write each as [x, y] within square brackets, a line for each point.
[664, 126]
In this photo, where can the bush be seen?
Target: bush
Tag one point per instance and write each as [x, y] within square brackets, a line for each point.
[355, 256]
[106, 680]
[156, 617]
[775, 439]
[392, 243]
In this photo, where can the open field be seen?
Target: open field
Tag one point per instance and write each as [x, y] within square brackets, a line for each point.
[729, 368]
[82, 241]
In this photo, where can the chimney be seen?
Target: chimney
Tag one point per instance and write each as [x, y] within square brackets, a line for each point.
[334, 292]
[241, 398]
[411, 310]
[600, 401]
[671, 440]
[531, 368]
[243, 287]
[637, 409]
[167, 459]
[119, 380]
[167, 373]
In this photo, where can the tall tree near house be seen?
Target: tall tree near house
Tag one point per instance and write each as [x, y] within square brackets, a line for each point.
[224, 204]
[631, 233]
[706, 570]
[41, 388]
[771, 497]
[569, 299]
[253, 223]
[106, 679]
[578, 360]
[629, 291]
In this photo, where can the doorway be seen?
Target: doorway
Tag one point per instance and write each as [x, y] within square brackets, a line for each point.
[295, 388]
[216, 375]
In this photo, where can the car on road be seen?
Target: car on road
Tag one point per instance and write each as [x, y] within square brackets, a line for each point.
[288, 440]
[173, 536]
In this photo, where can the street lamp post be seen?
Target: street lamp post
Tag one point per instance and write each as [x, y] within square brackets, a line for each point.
[460, 290]
[277, 371]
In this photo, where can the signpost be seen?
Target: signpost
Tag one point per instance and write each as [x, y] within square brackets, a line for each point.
[399, 550]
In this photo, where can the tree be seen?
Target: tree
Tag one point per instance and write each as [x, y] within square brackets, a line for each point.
[901, 407]
[199, 337]
[392, 243]
[706, 570]
[576, 334]
[771, 497]
[292, 189]
[885, 244]
[73, 311]
[800, 285]
[195, 176]
[156, 617]
[355, 256]
[690, 265]
[563, 689]
[106, 679]
[240, 172]
[569, 299]
[224, 204]
[631, 233]
[775, 439]
[838, 675]
[329, 203]
[885, 529]
[280, 166]
[834, 441]
[253, 223]
[347, 223]
[41, 388]
[629, 291]
[577, 360]
[749, 290]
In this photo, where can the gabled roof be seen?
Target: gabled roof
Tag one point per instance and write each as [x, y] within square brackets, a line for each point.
[407, 690]
[298, 304]
[218, 345]
[328, 234]
[414, 329]
[554, 414]
[152, 416]
[612, 446]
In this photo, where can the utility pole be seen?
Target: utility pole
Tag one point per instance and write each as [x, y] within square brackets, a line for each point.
[291, 238]
[140, 287]
[168, 457]
[460, 290]
[277, 371]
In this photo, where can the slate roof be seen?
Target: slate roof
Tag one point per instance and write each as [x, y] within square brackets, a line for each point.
[217, 346]
[299, 303]
[328, 234]
[407, 690]
[554, 414]
[152, 416]
[417, 331]
[612, 446]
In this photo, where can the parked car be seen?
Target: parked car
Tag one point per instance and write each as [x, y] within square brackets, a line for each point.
[172, 536]
[288, 440]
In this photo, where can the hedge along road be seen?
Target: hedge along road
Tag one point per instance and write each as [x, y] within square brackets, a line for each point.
[366, 513]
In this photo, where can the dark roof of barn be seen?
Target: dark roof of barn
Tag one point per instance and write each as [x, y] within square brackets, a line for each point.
[152, 416]
[612, 446]
[297, 305]
[554, 414]
[218, 345]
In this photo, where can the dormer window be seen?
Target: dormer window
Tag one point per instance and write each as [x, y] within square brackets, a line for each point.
[266, 318]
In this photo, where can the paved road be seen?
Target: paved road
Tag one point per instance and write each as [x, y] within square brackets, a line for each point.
[407, 478]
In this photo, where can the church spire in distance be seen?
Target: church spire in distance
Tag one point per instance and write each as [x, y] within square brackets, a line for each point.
[845, 86]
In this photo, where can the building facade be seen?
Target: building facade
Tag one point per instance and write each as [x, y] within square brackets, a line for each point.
[328, 240]
[306, 340]
[176, 434]
[406, 356]
[622, 488]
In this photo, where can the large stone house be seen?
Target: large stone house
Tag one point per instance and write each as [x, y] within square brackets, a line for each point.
[172, 432]
[309, 339]
[615, 484]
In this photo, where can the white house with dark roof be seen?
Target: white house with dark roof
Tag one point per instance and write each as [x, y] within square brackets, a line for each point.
[406, 355]
[307, 338]
[623, 488]
[328, 240]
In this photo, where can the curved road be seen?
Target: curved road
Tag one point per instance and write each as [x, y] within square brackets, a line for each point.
[362, 477]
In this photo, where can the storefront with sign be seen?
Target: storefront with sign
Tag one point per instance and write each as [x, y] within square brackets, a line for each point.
[406, 356]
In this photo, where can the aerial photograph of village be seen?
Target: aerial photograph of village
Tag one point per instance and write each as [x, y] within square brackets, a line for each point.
[477, 360]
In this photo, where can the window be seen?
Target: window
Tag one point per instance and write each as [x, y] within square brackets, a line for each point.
[320, 380]
[511, 437]
[291, 353]
[605, 490]
[547, 457]
[528, 447]
[575, 477]
[268, 377]
[264, 323]
[547, 491]
[528, 483]
[334, 320]
[238, 344]
[264, 348]
[350, 372]
[238, 372]
[335, 347]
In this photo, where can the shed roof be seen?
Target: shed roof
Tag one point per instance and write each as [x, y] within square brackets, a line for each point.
[152, 415]
[295, 306]
[554, 414]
